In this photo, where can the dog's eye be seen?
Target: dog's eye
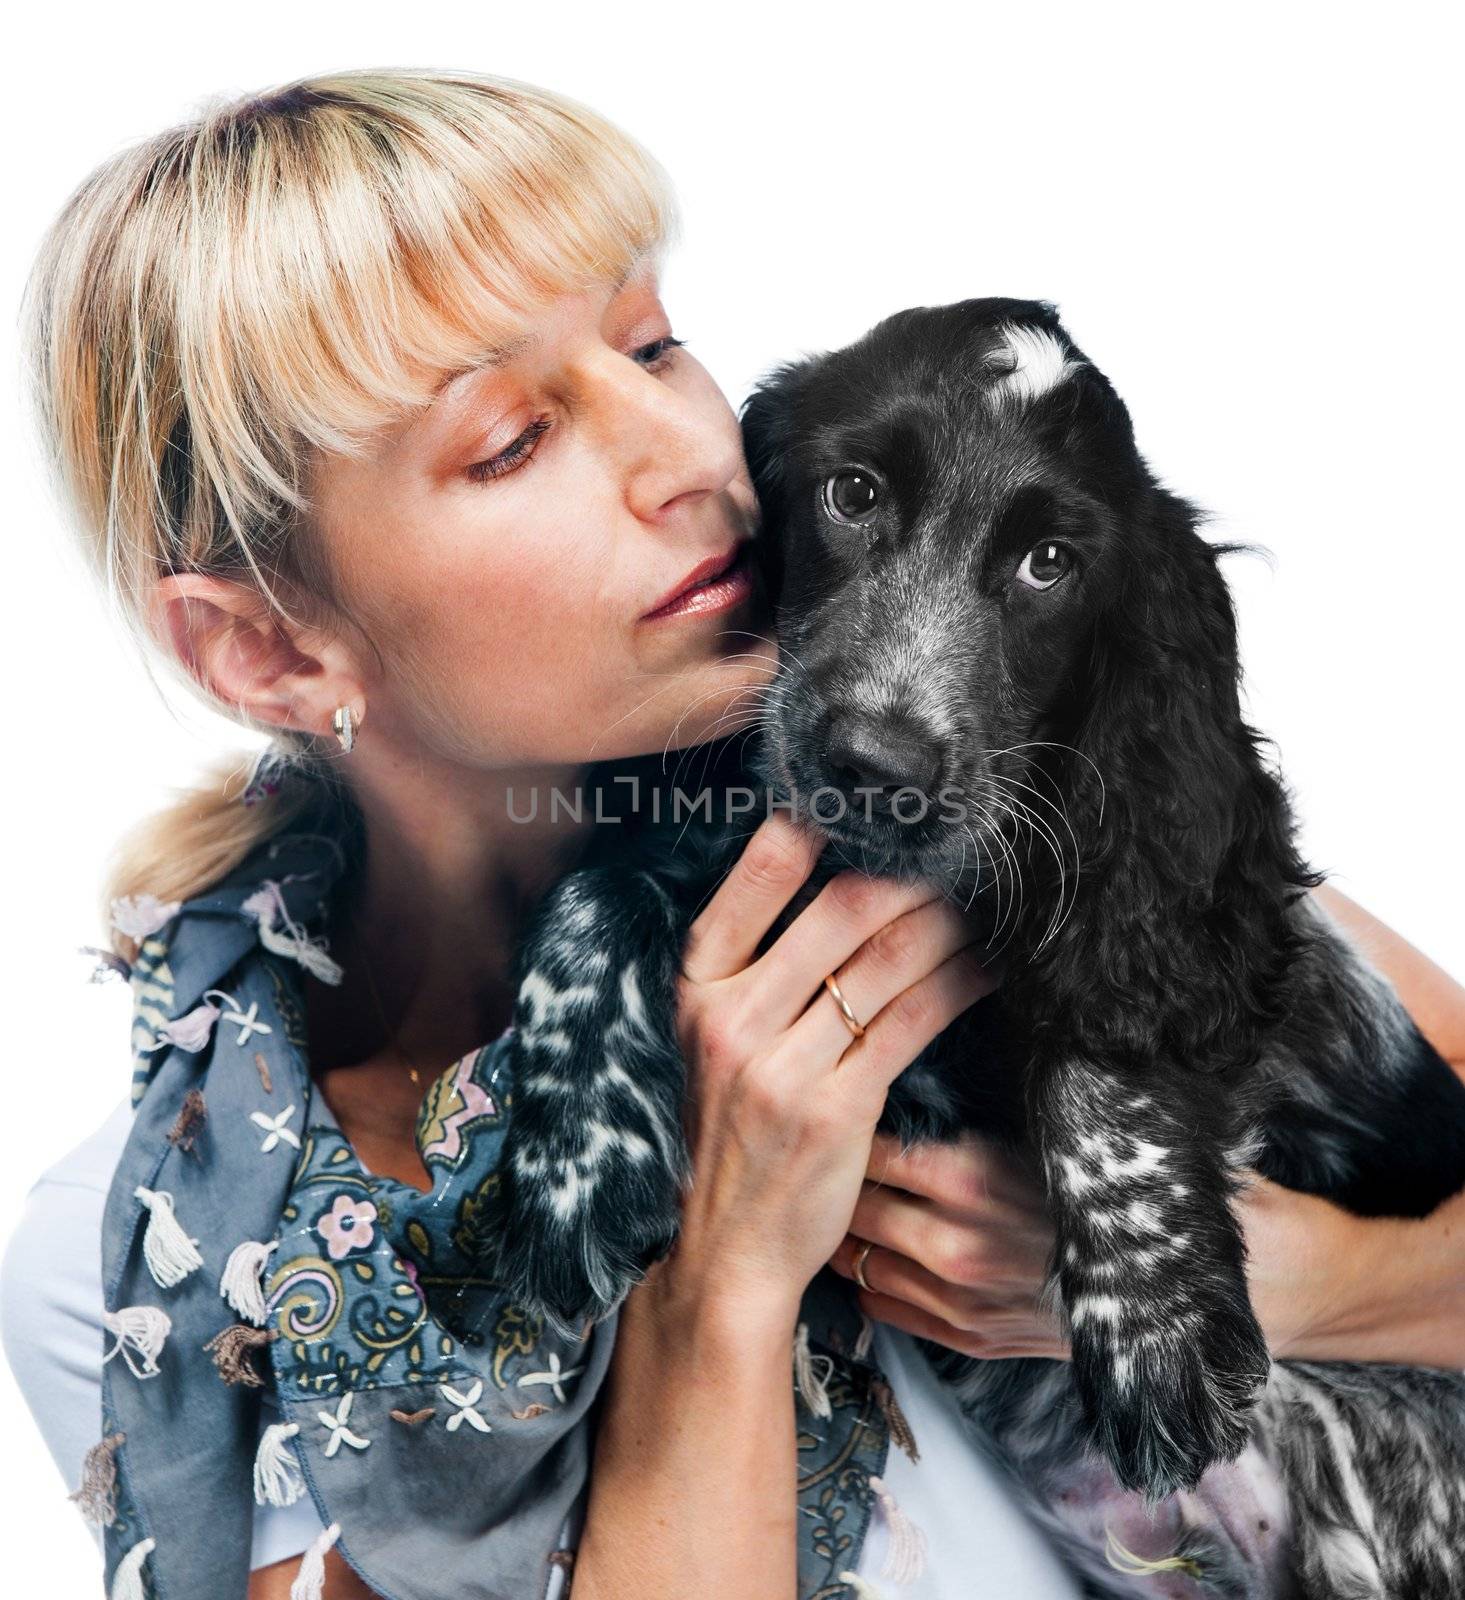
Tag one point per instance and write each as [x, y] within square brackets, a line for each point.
[1044, 565]
[850, 496]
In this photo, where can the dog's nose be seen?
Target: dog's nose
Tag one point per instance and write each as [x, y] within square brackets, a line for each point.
[881, 753]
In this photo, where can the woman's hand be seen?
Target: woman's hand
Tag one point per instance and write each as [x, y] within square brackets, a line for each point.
[783, 1099]
[960, 1245]
[959, 1240]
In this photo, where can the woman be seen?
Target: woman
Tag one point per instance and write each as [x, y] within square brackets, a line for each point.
[363, 396]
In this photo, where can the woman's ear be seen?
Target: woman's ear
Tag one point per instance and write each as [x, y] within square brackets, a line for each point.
[230, 641]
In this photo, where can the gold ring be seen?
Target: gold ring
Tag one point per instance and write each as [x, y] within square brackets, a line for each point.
[861, 1255]
[851, 1020]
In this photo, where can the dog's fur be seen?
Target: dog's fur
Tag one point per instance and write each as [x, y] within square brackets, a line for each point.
[1175, 1006]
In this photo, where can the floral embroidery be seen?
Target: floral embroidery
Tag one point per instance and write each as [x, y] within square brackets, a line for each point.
[246, 1021]
[553, 1378]
[275, 1129]
[347, 1226]
[340, 1433]
[465, 1404]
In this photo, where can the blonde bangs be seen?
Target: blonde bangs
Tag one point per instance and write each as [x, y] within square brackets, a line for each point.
[290, 272]
[407, 224]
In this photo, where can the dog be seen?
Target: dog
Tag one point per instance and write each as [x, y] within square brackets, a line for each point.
[985, 598]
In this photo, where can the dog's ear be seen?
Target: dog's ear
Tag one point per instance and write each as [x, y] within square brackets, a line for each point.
[768, 420]
[1186, 828]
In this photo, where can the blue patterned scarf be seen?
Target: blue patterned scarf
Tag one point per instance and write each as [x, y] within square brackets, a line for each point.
[443, 1434]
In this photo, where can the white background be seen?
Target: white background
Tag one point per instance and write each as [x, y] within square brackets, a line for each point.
[1246, 216]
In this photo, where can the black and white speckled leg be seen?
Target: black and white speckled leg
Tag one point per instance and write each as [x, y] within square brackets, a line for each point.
[595, 1155]
[1167, 1353]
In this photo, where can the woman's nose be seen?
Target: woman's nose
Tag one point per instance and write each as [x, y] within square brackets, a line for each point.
[673, 448]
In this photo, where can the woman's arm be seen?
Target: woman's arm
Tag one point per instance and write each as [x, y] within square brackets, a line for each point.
[1430, 995]
[1330, 1286]
[694, 1487]
[962, 1240]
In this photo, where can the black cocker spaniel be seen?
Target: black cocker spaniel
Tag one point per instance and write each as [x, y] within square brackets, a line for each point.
[1008, 665]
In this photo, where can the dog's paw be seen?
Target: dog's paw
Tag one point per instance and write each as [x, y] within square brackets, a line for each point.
[1164, 1401]
[578, 1229]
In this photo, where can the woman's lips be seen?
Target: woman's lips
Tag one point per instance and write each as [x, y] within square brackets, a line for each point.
[714, 585]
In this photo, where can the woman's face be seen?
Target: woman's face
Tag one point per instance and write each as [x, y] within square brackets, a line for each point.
[508, 550]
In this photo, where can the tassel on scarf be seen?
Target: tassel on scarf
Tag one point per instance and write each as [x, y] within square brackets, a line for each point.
[140, 1332]
[233, 1350]
[278, 1478]
[188, 1124]
[859, 1588]
[139, 916]
[96, 1496]
[905, 1559]
[192, 1030]
[310, 1582]
[1126, 1561]
[170, 1254]
[895, 1419]
[267, 904]
[241, 1283]
[109, 964]
[813, 1386]
[864, 1339]
[127, 1581]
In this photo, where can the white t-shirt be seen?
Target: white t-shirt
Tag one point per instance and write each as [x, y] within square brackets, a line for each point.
[978, 1542]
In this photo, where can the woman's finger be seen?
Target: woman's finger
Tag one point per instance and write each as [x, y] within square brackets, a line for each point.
[889, 1273]
[961, 1172]
[1002, 1340]
[896, 956]
[954, 1250]
[922, 1324]
[773, 867]
[908, 1022]
[847, 913]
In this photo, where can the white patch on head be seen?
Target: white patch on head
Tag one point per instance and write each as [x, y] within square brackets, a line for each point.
[1039, 363]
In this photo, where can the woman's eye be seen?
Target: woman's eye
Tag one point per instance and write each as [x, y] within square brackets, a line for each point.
[655, 355]
[514, 455]
[1045, 564]
[850, 496]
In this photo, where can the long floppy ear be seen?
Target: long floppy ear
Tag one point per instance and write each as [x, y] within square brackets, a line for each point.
[1184, 831]
[768, 420]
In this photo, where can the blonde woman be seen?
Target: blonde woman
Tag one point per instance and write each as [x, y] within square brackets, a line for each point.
[363, 397]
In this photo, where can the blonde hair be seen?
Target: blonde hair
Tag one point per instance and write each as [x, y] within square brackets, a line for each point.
[276, 278]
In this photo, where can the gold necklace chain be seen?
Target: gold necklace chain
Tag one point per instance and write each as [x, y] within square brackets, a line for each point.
[391, 1038]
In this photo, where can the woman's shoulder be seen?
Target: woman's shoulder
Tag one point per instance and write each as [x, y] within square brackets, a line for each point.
[51, 1292]
[52, 1266]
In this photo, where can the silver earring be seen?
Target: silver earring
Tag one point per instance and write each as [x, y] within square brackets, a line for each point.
[344, 724]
